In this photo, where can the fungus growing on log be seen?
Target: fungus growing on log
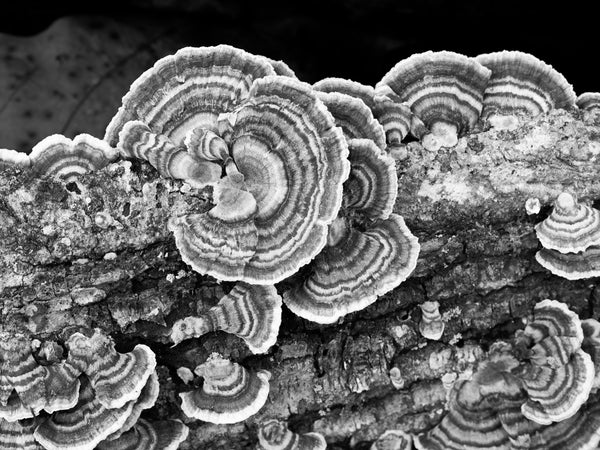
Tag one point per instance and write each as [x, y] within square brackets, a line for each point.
[188, 90]
[443, 89]
[18, 435]
[117, 378]
[60, 157]
[571, 227]
[354, 270]
[289, 158]
[431, 325]
[22, 379]
[559, 375]
[393, 440]
[146, 435]
[572, 266]
[521, 85]
[230, 393]
[251, 312]
[85, 425]
[372, 187]
[275, 435]
[354, 117]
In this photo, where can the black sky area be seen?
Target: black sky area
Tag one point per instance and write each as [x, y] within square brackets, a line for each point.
[356, 39]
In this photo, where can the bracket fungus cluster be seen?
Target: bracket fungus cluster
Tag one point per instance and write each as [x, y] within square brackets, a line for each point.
[275, 435]
[570, 237]
[94, 395]
[531, 393]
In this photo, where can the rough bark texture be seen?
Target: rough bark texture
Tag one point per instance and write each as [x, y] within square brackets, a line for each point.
[466, 205]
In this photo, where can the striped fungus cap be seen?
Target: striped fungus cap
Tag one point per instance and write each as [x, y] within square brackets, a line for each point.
[18, 435]
[275, 435]
[431, 325]
[230, 393]
[588, 102]
[149, 435]
[521, 85]
[444, 91]
[571, 227]
[251, 312]
[393, 440]
[572, 266]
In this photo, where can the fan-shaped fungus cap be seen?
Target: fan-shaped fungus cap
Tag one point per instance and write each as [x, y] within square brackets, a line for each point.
[351, 274]
[146, 435]
[469, 424]
[136, 140]
[84, 426]
[22, 379]
[12, 158]
[521, 84]
[275, 435]
[393, 440]
[591, 345]
[293, 161]
[553, 318]
[348, 87]
[230, 393]
[431, 325]
[354, 117]
[250, 312]
[60, 157]
[572, 266]
[394, 117]
[188, 90]
[588, 101]
[281, 68]
[443, 89]
[372, 186]
[116, 378]
[146, 400]
[571, 227]
[18, 435]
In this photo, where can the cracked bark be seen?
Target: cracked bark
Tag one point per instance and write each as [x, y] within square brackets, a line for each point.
[465, 204]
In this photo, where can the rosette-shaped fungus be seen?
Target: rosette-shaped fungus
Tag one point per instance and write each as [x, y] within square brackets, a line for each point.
[146, 435]
[230, 393]
[521, 85]
[18, 435]
[60, 157]
[358, 266]
[250, 312]
[116, 378]
[284, 158]
[571, 227]
[275, 435]
[393, 440]
[394, 116]
[431, 325]
[444, 91]
[559, 375]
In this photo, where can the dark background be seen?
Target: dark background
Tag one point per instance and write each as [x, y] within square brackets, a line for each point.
[354, 39]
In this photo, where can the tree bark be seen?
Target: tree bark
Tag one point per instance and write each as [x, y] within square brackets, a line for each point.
[61, 264]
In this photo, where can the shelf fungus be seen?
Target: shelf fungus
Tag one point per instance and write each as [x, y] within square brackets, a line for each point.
[521, 87]
[444, 91]
[251, 312]
[117, 378]
[275, 435]
[286, 166]
[393, 440]
[557, 375]
[591, 345]
[230, 393]
[147, 435]
[571, 227]
[431, 325]
[572, 266]
[588, 102]
[60, 157]
[18, 435]
[354, 117]
[14, 159]
[84, 426]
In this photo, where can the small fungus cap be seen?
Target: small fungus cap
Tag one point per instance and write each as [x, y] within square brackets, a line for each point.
[230, 393]
[147, 435]
[431, 325]
[393, 440]
[588, 101]
[571, 227]
[250, 312]
[572, 266]
[443, 89]
[275, 435]
[61, 157]
[522, 84]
